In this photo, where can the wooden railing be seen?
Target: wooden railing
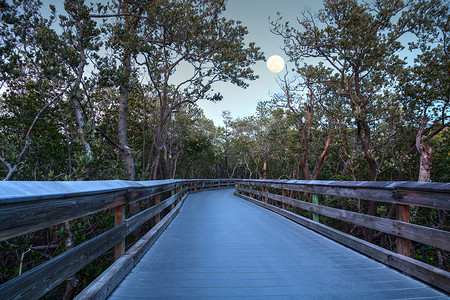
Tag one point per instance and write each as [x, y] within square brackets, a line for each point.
[26, 207]
[30, 206]
[272, 194]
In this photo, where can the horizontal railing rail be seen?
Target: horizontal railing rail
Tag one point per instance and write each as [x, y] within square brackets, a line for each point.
[27, 207]
[273, 194]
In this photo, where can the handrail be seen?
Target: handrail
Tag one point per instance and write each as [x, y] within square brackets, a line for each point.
[30, 206]
[402, 194]
[424, 194]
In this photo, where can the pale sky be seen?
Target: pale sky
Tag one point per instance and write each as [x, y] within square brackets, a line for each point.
[255, 14]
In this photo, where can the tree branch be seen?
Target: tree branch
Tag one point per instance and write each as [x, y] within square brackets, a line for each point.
[108, 138]
[13, 169]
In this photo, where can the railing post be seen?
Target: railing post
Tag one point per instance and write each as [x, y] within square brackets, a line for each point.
[119, 218]
[178, 190]
[251, 188]
[283, 193]
[403, 245]
[264, 199]
[157, 201]
[172, 192]
[315, 200]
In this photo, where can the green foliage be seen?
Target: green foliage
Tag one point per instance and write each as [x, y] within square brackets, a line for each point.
[441, 159]
[193, 144]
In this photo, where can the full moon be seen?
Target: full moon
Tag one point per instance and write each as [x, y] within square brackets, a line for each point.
[275, 63]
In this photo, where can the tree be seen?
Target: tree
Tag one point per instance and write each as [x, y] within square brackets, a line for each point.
[191, 145]
[31, 76]
[304, 97]
[39, 58]
[239, 138]
[192, 36]
[123, 41]
[161, 36]
[425, 86]
[79, 36]
[362, 65]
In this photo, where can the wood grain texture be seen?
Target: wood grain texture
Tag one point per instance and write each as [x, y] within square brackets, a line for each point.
[119, 218]
[32, 214]
[142, 217]
[403, 245]
[22, 218]
[138, 194]
[431, 199]
[38, 281]
[28, 191]
[157, 201]
[427, 194]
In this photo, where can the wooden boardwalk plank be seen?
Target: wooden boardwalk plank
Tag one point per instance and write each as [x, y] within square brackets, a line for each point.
[220, 246]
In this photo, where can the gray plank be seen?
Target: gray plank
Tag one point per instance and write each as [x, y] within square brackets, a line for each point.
[222, 246]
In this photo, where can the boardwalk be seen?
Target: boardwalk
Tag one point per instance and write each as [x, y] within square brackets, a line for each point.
[221, 246]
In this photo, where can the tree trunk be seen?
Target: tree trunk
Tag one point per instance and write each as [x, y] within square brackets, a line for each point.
[82, 136]
[265, 160]
[426, 162]
[306, 138]
[319, 163]
[174, 172]
[365, 143]
[155, 164]
[159, 144]
[75, 103]
[144, 136]
[167, 158]
[72, 281]
[426, 154]
[125, 152]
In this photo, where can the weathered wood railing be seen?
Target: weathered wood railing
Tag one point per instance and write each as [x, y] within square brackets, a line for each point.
[402, 194]
[30, 206]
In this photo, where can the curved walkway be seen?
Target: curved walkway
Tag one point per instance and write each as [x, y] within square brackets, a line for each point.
[221, 246]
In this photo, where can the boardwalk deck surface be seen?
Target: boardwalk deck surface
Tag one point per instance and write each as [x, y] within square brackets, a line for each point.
[221, 246]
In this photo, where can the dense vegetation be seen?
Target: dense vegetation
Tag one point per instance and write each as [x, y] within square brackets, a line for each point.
[99, 92]
[92, 97]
